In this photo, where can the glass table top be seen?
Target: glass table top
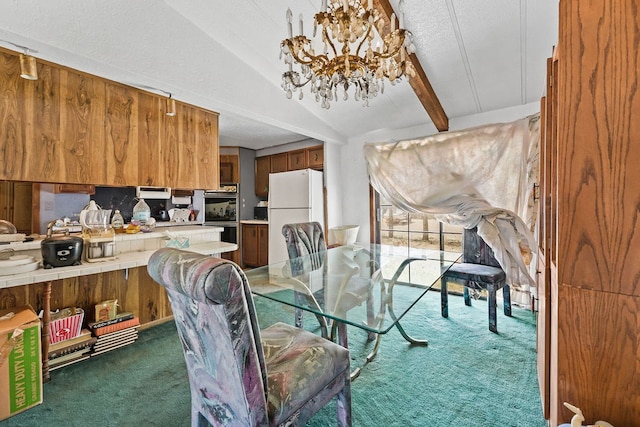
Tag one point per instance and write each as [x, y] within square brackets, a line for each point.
[366, 285]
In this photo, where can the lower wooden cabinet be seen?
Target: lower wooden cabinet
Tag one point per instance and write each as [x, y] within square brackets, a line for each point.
[255, 245]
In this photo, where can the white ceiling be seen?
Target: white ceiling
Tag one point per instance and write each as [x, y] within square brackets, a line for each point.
[223, 55]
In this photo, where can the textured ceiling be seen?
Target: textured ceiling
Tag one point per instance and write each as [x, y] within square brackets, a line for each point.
[224, 55]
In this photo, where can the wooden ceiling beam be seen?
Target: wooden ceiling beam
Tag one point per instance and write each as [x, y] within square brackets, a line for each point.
[420, 83]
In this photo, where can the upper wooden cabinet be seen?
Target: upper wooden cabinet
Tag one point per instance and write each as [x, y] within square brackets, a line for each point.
[263, 168]
[120, 142]
[312, 157]
[73, 127]
[315, 157]
[229, 168]
[297, 160]
[279, 162]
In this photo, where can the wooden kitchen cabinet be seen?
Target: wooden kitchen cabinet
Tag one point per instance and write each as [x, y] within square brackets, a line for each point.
[82, 128]
[315, 157]
[207, 149]
[73, 127]
[279, 162]
[154, 153]
[255, 245]
[120, 140]
[296, 160]
[15, 204]
[263, 244]
[312, 157]
[229, 169]
[263, 168]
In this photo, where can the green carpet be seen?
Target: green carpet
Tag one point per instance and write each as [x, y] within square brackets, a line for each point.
[466, 376]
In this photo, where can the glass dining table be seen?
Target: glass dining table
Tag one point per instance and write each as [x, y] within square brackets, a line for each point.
[369, 286]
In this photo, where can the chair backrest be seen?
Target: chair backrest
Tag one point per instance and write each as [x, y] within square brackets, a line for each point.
[475, 250]
[305, 239]
[217, 325]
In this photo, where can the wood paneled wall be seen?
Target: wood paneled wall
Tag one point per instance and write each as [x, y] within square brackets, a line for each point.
[136, 292]
[595, 298]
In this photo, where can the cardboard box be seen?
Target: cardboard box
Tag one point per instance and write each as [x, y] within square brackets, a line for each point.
[20, 361]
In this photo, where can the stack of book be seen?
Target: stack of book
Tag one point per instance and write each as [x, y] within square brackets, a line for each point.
[114, 333]
[72, 350]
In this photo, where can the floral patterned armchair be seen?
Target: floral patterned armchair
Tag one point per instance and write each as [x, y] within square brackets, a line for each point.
[307, 251]
[239, 375]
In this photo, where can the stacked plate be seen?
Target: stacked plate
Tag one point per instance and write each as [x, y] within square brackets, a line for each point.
[17, 264]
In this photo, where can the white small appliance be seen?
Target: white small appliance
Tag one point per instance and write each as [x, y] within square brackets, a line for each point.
[294, 196]
[151, 193]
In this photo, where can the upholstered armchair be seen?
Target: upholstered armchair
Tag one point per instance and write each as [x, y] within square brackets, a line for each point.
[239, 375]
[307, 251]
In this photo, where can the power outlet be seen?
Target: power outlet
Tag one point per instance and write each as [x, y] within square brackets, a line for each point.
[48, 206]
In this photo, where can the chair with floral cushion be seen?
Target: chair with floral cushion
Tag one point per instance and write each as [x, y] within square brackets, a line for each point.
[239, 375]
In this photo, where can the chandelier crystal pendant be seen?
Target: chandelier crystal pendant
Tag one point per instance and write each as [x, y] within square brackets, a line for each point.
[355, 52]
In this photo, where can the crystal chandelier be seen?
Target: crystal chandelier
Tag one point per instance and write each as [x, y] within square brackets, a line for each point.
[355, 53]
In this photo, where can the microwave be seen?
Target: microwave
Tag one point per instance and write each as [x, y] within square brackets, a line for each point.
[261, 212]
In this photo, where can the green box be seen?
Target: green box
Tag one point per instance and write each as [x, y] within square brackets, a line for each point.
[20, 361]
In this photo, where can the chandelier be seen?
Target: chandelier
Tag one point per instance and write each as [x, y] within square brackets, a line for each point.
[355, 52]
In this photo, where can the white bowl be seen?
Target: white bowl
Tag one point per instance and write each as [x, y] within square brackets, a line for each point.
[345, 234]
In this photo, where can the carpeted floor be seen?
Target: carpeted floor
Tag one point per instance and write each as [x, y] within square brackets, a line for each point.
[467, 376]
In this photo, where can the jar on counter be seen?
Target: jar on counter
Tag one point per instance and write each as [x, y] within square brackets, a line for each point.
[141, 211]
[117, 222]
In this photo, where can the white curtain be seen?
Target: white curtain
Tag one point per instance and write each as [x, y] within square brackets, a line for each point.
[480, 177]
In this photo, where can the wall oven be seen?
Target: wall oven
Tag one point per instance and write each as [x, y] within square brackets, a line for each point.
[221, 210]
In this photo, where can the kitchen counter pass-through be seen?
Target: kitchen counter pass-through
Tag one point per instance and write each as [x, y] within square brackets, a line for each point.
[124, 278]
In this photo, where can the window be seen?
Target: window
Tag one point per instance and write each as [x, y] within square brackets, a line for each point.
[396, 227]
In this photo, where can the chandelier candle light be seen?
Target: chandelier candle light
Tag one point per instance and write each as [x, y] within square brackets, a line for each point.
[355, 52]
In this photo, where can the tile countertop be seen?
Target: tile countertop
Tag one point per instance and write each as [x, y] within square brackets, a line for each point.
[254, 221]
[146, 244]
[179, 230]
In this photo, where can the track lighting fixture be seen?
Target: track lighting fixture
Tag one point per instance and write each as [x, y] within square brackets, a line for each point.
[171, 106]
[28, 66]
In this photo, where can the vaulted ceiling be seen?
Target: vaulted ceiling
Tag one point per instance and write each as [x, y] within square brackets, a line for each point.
[223, 55]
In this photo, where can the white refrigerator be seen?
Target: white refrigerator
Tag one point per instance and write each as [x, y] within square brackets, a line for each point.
[294, 196]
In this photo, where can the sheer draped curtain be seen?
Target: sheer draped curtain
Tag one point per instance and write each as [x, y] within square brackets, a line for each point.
[482, 177]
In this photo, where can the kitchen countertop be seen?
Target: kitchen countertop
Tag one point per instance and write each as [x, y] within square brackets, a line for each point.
[179, 230]
[123, 260]
[254, 221]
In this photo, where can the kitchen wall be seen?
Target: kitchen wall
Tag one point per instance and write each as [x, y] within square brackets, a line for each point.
[57, 206]
[124, 199]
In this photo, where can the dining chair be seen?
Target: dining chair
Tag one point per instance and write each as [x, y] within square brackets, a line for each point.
[307, 251]
[238, 374]
[478, 270]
